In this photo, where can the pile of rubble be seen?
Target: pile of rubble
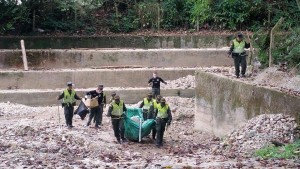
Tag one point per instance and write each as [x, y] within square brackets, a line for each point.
[257, 133]
[187, 82]
[13, 109]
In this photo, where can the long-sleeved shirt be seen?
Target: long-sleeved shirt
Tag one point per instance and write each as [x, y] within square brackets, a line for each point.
[101, 96]
[62, 95]
[156, 82]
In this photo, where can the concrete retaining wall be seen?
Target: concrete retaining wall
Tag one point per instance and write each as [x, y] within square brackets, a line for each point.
[222, 104]
[48, 97]
[55, 59]
[147, 42]
[86, 78]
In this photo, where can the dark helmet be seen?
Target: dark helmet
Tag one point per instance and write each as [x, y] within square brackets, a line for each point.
[240, 35]
[163, 100]
[69, 84]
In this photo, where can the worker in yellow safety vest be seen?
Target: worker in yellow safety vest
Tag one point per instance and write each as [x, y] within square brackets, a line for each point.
[163, 117]
[116, 112]
[237, 51]
[152, 111]
[68, 95]
[145, 105]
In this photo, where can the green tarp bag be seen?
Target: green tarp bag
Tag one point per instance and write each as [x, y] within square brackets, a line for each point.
[132, 127]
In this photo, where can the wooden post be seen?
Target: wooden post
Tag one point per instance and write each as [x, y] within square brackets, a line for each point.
[251, 49]
[24, 57]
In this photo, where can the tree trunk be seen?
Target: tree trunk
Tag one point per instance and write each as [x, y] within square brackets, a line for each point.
[197, 23]
[158, 16]
[75, 17]
[33, 21]
[117, 11]
[272, 41]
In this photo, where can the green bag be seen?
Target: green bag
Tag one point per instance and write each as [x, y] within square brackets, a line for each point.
[132, 127]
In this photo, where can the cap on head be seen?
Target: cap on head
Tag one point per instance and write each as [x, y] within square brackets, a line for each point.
[158, 97]
[69, 84]
[149, 95]
[240, 35]
[163, 100]
[117, 97]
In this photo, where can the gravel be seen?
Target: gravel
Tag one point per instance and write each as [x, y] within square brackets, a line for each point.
[258, 132]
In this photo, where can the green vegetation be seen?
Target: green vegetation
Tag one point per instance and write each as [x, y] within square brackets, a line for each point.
[288, 151]
[94, 17]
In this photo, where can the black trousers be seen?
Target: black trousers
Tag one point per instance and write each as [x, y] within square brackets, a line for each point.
[240, 60]
[94, 113]
[145, 114]
[155, 92]
[100, 115]
[118, 127]
[68, 111]
[151, 116]
[160, 129]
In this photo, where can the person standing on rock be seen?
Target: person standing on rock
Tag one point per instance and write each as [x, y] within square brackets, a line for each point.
[163, 118]
[116, 112]
[97, 112]
[155, 82]
[145, 105]
[237, 51]
[152, 112]
[69, 95]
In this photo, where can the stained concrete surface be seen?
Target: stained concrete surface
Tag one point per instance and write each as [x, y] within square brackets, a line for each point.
[223, 104]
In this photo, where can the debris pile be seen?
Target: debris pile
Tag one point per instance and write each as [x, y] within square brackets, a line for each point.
[181, 107]
[257, 133]
[187, 82]
[14, 109]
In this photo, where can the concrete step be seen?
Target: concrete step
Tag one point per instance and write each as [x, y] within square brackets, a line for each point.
[96, 58]
[86, 78]
[48, 97]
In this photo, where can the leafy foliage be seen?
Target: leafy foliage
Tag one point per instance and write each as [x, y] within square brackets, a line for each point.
[126, 15]
[288, 151]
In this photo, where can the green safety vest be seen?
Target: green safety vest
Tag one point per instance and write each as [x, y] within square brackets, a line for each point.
[238, 47]
[117, 109]
[147, 103]
[162, 111]
[69, 98]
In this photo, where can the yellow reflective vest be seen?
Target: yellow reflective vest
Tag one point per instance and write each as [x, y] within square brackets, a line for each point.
[162, 112]
[69, 99]
[238, 47]
[147, 104]
[117, 110]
